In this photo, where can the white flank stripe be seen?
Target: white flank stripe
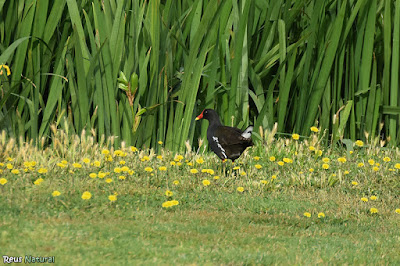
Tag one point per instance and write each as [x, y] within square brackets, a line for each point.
[219, 146]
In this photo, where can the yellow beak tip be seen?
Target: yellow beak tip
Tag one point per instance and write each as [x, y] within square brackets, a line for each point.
[197, 118]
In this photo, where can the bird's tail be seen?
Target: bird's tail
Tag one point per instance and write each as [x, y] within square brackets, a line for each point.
[247, 132]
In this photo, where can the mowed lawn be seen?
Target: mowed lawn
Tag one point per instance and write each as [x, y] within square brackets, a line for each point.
[282, 203]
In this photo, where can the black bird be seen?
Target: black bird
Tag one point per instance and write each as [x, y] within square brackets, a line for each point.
[226, 142]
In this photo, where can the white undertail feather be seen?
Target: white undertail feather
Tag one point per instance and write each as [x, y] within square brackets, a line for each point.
[247, 132]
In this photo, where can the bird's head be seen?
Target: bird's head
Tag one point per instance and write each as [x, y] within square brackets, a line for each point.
[206, 114]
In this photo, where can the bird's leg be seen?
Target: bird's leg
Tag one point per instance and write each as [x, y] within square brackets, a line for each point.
[224, 167]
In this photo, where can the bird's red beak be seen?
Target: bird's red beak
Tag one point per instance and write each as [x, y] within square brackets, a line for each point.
[200, 116]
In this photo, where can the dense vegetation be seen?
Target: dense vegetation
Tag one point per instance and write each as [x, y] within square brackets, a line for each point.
[333, 64]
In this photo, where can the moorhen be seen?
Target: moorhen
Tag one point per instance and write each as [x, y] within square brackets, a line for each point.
[226, 142]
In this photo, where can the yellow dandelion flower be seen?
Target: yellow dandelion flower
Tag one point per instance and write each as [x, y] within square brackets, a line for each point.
[189, 164]
[280, 163]
[397, 211]
[373, 197]
[145, 158]
[326, 160]
[109, 180]
[38, 181]
[7, 70]
[160, 142]
[341, 160]
[118, 153]
[131, 172]
[354, 183]
[42, 170]
[117, 170]
[295, 136]
[148, 169]
[206, 182]
[360, 164]
[273, 177]
[210, 171]
[194, 171]
[314, 129]
[3, 181]
[325, 166]
[122, 162]
[162, 168]
[178, 164]
[105, 152]
[166, 204]
[258, 166]
[311, 170]
[200, 160]
[86, 195]
[101, 175]
[112, 198]
[121, 177]
[321, 215]
[287, 160]
[172, 163]
[307, 214]
[92, 175]
[174, 202]
[240, 189]
[318, 152]
[371, 161]
[125, 169]
[97, 163]
[170, 203]
[375, 168]
[256, 158]
[178, 158]
[86, 160]
[61, 165]
[169, 193]
[236, 168]
[133, 149]
[386, 159]
[15, 171]
[359, 143]
[264, 182]
[76, 165]
[9, 166]
[346, 172]
[56, 193]
[373, 210]
[364, 199]
[216, 177]
[272, 158]
[159, 157]
[243, 173]
[204, 170]
[311, 148]
[64, 162]
[397, 166]
[175, 182]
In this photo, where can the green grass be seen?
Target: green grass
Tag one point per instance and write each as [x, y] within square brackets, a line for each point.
[211, 224]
